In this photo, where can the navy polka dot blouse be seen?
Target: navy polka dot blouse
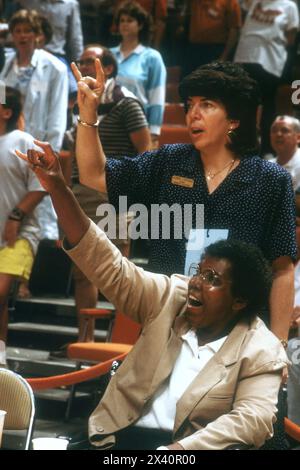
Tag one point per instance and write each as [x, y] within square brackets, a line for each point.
[255, 202]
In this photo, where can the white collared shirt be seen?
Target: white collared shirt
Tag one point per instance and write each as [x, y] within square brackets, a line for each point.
[161, 410]
[293, 168]
[20, 77]
[120, 56]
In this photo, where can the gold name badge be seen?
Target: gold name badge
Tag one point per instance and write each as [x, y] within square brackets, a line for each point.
[181, 181]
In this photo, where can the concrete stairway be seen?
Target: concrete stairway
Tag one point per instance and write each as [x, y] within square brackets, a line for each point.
[37, 326]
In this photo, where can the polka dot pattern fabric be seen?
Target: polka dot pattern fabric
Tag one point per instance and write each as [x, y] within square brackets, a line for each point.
[255, 202]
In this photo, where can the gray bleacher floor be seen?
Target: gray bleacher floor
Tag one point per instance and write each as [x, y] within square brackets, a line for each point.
[38, 325]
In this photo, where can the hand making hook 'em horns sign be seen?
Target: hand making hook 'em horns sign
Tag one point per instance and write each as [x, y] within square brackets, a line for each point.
[90, 91]
[45, 164]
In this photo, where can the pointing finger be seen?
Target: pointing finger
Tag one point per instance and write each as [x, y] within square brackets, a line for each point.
[76, 72]
[100, 77]
[44, 146]
[21, 155]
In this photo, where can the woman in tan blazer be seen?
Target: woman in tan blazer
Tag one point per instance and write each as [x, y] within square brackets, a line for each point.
[205, 372]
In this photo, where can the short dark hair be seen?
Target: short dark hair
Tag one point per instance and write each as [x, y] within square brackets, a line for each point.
[250, 272]
[30, 17]
[45, 27]
[231, 85]
[106, 58]
[135, 10]
[13, 101]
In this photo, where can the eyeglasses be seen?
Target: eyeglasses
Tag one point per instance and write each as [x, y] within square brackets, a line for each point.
[81, 62]
[209, 277]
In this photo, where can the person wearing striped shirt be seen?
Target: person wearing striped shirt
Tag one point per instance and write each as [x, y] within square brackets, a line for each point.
[124, 131]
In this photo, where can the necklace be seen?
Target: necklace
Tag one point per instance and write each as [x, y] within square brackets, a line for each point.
[209, 175]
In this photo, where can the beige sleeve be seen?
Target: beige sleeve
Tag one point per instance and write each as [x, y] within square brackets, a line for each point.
[134, 291]
[251, 420]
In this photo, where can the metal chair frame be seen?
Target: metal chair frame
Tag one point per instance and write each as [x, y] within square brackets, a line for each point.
[29, 391]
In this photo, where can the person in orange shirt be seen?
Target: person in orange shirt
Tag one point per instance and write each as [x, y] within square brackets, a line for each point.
[213, 31]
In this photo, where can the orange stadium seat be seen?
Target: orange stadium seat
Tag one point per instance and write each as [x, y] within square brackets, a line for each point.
[172, 134]
[124, 334]
[172, 95]
[173, 74]
[174, 114]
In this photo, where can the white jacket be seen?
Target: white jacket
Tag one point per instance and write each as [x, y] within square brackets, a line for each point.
[46, 101]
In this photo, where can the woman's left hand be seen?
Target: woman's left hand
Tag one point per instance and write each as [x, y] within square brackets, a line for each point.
[45, 164]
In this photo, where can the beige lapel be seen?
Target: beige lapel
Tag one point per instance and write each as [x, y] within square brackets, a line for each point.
[213, 372]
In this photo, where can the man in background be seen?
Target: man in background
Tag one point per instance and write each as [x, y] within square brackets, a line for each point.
[285, 138]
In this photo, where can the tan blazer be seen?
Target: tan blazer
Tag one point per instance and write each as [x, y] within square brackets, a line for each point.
[232, 400]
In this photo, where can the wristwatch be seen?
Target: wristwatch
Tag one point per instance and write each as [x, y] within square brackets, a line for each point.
[17, 214]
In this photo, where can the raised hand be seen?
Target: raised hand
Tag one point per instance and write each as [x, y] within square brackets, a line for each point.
[90, 91]
[44, 164]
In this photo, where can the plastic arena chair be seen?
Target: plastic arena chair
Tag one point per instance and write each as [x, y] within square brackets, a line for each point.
[74, 378]
[174, 114]
[124, 333]
[17, 399]
[173, 134]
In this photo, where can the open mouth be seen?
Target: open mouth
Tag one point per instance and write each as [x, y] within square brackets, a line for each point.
[193, 302]
[197, 131]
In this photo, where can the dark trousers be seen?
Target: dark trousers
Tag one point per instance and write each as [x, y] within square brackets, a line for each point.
[268, 84]
[136, 438]
[201, 54]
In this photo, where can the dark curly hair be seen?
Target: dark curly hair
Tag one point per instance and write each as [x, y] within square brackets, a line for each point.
[250, 272]
[136, 11]
[14, 102]
[45, 25]
[231, 85]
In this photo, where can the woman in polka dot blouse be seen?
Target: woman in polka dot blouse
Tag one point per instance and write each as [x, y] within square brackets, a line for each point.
[250, 198]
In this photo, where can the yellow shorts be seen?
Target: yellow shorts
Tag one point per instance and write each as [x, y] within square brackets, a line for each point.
[17, 260]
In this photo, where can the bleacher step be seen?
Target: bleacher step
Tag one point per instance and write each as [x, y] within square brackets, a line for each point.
[58, 394]
[61, 301]
[30, 327]
[36, 363]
